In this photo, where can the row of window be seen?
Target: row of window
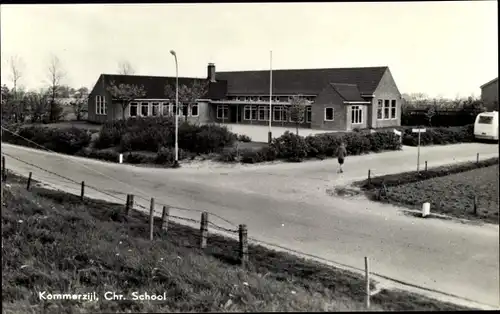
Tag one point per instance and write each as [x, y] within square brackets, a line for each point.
[266, 98]
[386, 109]
[153, 109]
[261, 113]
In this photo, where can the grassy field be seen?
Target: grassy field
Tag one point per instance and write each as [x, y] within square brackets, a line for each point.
[52, 241]
[454, 194]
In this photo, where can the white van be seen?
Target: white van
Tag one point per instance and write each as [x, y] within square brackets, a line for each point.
[486, 126]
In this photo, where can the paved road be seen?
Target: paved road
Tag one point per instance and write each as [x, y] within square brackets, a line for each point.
[286, 204]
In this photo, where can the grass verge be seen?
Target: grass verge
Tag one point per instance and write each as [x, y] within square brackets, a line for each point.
[450, 189]
[54, 242]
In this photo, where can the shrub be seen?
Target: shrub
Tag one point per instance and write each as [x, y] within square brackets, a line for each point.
[66, 140]
[244, 138]
[290, 146]
[268, 153]
[166, 155]
[440, 136]
[107, 154]
[228, 155]
[250, 156]
[384, 140]
[149, 134]
[139, 158]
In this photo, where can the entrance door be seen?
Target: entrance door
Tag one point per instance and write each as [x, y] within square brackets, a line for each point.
[233, 114]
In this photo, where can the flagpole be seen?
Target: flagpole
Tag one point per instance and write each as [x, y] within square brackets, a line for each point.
[270, 134]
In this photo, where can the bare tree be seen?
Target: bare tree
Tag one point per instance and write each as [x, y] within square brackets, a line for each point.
[16, 66]
[188, 95]
[56, 74]
[297, 110]
[125, 93]
[80, 101]
[125, 68]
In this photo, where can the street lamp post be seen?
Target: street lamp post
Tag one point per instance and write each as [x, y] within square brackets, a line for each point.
[176, 162]
[269, 133]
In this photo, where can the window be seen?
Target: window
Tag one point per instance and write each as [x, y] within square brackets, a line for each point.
[284, 113]
[100, 105]
[250, 113]
[174, 110]
[185, 110]
[166, 109]
[277, 113]
[222, 112]
[485, 120]
[308, 114]
[380, 110]
[133, 109]
[155, 109]
[356, 114]
[386, 108]
[393, 109]
[329, 114]
[194, 110]
[254, 112]
[263, 113]
[144, 109]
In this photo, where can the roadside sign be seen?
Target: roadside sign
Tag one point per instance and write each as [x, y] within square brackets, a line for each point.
[397, 132]
[418, 149]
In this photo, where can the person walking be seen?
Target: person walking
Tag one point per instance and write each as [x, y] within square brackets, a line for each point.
[341, 154]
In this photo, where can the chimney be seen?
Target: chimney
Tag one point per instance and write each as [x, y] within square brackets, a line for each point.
[211, 72]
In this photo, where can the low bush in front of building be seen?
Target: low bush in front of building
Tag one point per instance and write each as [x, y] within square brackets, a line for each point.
[149, 134]
[440, 136]
[64, 140]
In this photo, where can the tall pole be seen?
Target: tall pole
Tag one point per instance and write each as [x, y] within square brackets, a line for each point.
[418, 153]
[176, 162]
[270, 134]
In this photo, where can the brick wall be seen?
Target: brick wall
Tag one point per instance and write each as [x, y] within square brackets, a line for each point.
[386, 89]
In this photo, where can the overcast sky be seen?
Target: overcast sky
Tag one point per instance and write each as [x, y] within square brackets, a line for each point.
[439, 48]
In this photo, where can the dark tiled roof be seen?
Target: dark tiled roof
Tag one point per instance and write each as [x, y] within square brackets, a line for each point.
[348, 92]
[304, 81]
[489, 83]
[155, 85]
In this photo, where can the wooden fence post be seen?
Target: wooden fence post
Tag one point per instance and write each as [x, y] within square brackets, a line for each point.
[204, 230]
[477, 158]
[129, 204]
[29, 181]
[82, 192]
[243, 232]
[369, 177]
[164, 218]
[367, 281]
[426, 165]
[151, 219]
[475, 205]
[4, 174]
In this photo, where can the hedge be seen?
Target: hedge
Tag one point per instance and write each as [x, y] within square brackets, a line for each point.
[149, 134]
[439, 136]
[64, 140]
[414, 176]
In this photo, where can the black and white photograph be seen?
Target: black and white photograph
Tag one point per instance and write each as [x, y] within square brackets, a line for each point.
[249, 157]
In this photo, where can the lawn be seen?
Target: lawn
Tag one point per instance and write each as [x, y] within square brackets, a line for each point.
[52, 241]
[454, 194]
